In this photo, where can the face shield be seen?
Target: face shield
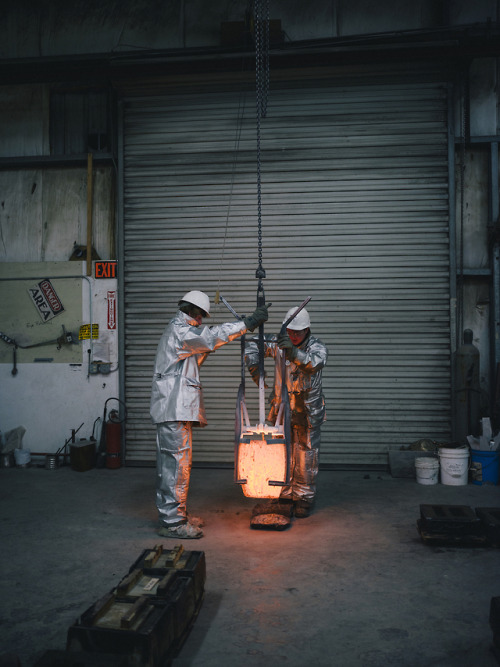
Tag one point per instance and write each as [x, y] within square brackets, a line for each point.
[297, 336]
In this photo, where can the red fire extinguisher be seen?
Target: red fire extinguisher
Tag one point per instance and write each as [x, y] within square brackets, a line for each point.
[110, 449]
[113, 440]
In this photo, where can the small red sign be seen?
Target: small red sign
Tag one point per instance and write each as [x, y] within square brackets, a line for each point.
[51, 296]
[105, 270]
[111, 310]
[46, 300]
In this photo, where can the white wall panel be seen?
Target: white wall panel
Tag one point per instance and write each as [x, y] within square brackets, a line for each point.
[53, 391]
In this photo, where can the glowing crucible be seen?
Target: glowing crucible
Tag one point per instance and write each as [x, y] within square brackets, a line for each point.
[262, 461]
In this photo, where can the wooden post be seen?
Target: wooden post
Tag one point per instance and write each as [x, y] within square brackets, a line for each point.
[89, 214]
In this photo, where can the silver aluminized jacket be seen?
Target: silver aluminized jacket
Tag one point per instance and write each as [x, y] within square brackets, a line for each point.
[177, 405]
[176, 393]
[303, 378]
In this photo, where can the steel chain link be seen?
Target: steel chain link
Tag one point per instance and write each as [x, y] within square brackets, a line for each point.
[261, 26]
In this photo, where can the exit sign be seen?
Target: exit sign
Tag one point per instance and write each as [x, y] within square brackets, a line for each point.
[105, 269]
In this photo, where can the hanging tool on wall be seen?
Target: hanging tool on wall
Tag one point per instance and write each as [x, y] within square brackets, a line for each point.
[66, 338]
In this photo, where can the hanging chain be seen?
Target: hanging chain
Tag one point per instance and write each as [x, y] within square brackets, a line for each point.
[261, 26]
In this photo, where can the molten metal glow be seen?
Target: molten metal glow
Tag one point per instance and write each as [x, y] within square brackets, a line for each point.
[259, 462]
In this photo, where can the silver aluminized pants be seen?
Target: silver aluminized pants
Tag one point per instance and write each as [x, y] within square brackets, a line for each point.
[304, 463]
[173, 471]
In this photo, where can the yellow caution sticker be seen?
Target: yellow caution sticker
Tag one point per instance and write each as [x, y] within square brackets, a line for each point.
[84, 333]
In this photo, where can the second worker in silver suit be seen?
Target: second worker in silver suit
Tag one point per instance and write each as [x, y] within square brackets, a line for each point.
[177, 403]
[306, 357]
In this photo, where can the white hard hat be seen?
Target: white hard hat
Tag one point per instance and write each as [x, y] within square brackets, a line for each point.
[302, 321]
[199, 299]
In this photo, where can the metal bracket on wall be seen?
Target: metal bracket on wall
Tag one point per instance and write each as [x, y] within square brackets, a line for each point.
[66, 338]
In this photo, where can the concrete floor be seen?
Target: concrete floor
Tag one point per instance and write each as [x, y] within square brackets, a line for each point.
[352, 585]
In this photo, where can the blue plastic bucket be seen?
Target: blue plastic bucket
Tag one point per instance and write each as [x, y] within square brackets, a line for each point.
[484, 468]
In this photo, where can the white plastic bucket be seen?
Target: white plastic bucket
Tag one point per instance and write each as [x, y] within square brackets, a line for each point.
[22, 456]
[426, 470]
[454, 465]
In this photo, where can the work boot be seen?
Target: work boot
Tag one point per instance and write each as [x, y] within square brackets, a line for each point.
[184, 531]
[302, 509]
[196, 520]
[279, 505]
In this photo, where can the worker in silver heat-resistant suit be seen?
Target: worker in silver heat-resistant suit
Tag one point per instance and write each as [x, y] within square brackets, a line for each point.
[306, 357]
[177, 403]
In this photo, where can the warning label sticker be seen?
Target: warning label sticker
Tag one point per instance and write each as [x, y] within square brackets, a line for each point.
[84, 333]
[46, 300]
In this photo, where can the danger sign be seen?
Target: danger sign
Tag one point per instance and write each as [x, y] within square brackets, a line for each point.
[46, 300]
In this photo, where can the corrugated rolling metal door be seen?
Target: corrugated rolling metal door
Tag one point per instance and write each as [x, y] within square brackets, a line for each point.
[354, 214]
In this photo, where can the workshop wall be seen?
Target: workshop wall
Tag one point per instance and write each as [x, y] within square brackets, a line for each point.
[26, 291]
[43, 217]
[52, 391]
[43, 210]
[473, 256]
[99, 26]
[43, 213]
[472, 185]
